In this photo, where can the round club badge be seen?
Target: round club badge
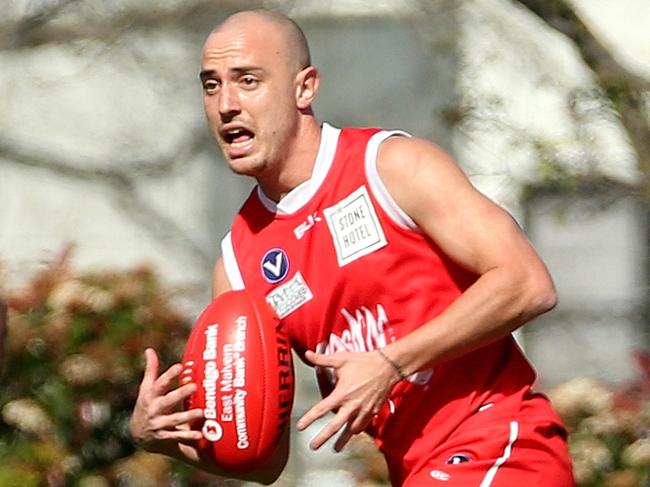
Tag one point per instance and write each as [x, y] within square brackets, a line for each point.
[275, 265]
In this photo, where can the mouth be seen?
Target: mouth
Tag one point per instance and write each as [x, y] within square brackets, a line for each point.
[238, 140]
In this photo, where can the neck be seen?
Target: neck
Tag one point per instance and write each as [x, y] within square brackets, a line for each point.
[298, 164]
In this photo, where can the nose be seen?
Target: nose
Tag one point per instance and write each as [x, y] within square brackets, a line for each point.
[228, 101]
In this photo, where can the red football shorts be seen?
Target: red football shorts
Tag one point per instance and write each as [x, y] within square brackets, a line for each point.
[490, 450]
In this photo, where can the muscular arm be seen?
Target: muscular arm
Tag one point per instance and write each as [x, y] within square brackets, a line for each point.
[513, 285]
[157, 428]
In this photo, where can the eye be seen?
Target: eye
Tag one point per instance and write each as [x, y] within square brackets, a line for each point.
[248, 81]
[210, 86]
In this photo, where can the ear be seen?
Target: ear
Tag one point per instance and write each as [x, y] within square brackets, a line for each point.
[307, 82]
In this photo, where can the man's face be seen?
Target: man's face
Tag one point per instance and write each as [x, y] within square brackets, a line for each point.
[249, 95]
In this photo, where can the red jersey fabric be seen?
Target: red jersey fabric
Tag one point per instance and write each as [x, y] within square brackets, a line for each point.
[346, 269]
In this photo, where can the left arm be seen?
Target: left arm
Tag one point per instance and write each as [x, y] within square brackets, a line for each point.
[513, 285]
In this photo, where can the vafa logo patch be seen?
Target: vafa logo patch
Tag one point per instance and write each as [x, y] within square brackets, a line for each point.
[290, 296]
[275, 265]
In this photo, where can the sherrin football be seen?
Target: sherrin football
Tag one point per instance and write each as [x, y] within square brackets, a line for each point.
[239, 357]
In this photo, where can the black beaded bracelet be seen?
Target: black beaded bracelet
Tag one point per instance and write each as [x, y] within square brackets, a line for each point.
[396, 366]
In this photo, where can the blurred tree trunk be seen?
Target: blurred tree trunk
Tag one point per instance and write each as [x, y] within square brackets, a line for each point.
[625, 92]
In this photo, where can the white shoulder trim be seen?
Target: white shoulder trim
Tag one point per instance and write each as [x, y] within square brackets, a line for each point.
[301, 194]
[377, 186]
[230, 263]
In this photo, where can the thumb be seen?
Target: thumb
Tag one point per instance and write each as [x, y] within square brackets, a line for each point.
[321, 359]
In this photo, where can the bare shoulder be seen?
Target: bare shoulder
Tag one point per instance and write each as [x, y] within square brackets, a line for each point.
[409, 152]
[431, 188]
[413, 167]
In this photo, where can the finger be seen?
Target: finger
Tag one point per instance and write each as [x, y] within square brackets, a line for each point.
[192, 437]
[360, 422]
[343, 438]
[322, 360]
[178, 420]
[317, 411]
[185, 419]
[330, 429]
[176, 397]
[165, 381]
[151, 366]
[181, 435]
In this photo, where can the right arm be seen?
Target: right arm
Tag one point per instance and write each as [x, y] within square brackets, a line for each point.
[159, 428]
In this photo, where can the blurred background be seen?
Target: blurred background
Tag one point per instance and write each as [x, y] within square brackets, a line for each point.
[114, 199]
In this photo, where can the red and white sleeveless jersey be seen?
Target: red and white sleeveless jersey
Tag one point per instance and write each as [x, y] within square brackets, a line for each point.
[347, 269]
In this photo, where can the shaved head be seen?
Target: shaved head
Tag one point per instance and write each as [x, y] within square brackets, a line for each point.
[258, 88]
[296, 48]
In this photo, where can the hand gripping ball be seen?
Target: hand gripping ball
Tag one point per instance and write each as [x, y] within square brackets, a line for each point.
[239, 357]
